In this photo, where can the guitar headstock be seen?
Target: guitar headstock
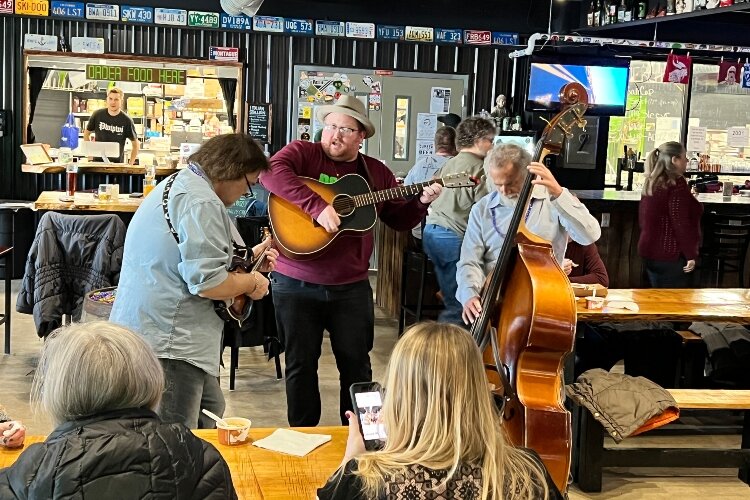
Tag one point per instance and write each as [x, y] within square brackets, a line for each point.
[460, 179]
[266, 233]
[574, 98]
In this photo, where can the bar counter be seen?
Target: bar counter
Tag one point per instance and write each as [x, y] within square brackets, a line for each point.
[618, 245]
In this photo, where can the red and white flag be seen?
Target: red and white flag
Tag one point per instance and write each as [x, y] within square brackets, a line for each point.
[678, 69]
[729, 73]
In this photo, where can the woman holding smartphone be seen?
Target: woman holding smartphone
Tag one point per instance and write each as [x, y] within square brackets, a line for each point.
[445, 434]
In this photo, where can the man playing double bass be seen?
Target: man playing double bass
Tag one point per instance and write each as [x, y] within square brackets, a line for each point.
[553, 214]
[331, 291]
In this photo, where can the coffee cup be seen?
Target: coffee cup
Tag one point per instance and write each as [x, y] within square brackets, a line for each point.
[234, 431]
[594, 302]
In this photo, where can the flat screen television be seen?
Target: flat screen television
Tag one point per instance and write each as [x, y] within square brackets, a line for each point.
[605, 80]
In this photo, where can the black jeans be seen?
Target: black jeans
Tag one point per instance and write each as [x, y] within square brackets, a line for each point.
[303, 311]
[668, 273]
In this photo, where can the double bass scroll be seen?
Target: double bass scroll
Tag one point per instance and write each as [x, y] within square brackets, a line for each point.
[527, 325]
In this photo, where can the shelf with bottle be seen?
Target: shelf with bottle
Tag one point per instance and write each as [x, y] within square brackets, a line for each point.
[605, 15]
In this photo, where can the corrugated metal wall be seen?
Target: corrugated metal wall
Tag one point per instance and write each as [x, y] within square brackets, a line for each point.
[269, 60]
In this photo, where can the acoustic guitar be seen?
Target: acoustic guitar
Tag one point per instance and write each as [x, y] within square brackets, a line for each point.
[299, 236]
[239, 308]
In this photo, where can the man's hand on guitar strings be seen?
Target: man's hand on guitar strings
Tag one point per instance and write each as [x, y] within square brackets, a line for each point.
[269, 264]
[329, 219]
[430, 193]
[472, 310]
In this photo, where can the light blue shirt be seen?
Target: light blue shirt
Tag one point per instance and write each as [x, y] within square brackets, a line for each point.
[157, 295]
[422, 171]
[552, 220]
[425, 169]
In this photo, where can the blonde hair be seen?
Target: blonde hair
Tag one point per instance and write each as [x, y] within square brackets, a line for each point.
[116, 90]
[439, 413]
[503, 154]
[659, 169]
[90, 368]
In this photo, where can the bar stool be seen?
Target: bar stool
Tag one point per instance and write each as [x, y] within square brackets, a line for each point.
[6, 256]
[417, 274]
[725, 245]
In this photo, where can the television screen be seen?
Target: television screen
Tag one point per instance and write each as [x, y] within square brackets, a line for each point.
[605, 80]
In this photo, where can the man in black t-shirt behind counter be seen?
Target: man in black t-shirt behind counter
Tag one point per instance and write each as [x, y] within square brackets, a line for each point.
[111, 124]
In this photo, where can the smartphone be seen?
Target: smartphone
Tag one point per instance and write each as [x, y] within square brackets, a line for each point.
[368, 404]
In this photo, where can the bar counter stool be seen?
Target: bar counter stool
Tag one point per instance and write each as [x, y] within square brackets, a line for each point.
[6, 254]
[725, 245]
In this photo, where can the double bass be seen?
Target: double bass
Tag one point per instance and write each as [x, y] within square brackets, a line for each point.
[527, 325]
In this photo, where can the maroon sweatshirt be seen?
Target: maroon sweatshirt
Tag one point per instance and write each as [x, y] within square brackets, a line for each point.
[591, 269]
[347, 259]
[670, 223]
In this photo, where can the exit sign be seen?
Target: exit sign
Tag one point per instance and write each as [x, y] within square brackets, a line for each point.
[135, 74]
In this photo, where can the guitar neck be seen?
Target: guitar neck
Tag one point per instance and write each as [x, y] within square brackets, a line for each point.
[374, 197]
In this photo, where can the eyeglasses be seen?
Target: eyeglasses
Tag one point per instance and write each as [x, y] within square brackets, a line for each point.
[344, 131]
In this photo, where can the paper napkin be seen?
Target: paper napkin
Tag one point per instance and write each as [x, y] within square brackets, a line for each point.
[292, 442]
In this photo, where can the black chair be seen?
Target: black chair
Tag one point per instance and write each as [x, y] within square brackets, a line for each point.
[725, 245]
[260, 327]
[419, 288]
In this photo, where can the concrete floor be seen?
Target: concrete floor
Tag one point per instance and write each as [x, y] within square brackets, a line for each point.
[260, 397]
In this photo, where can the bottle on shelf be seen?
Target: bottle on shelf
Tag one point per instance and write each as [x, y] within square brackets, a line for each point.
[591, 12]
[671, 7]
[726, 3]
[641, 9]
[612, 12]
[621, 11]
[603, 13]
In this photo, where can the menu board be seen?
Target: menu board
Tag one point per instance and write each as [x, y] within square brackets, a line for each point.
[259, 121]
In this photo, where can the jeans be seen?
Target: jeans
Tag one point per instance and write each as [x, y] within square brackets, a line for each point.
[668, 273]
[303, 311]
[443, 247]
[187, 390]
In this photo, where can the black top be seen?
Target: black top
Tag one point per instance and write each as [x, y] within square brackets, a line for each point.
[110, 128]
[124, 454]
[417, 481]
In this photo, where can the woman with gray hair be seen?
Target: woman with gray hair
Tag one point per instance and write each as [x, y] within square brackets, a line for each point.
[102, 384]
[554, 213]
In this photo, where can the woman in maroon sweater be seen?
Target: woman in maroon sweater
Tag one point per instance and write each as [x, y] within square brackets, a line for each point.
[669, 217]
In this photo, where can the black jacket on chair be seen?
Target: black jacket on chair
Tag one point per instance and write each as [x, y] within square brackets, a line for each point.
[71, 255]
[125, 454]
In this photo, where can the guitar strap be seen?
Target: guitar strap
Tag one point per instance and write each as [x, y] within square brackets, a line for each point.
[364, 171]
[238, 244]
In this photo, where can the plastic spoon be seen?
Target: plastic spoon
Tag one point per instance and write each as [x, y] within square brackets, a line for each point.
[215, 417]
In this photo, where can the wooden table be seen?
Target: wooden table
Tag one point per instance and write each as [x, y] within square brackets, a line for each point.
[50, 200]
[259, 473]
[654, 304]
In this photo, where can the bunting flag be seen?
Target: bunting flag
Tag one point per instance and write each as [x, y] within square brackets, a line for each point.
[729, 73]
[678, 69]
[746, 76]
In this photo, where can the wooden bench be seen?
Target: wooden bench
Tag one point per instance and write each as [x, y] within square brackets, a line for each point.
[593, 455]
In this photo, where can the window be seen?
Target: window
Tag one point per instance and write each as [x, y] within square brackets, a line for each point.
[401, 135]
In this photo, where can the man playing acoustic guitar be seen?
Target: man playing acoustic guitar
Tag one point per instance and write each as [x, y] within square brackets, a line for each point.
[330, 289]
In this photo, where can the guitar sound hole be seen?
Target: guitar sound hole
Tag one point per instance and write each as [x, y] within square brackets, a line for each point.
[343, 204]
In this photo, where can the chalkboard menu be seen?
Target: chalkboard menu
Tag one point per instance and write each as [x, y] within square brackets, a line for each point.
[259, 121]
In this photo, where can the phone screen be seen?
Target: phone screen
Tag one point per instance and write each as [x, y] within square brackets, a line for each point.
[368, 406]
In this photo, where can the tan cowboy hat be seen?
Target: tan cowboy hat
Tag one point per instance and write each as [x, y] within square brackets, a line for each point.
[351, 106]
